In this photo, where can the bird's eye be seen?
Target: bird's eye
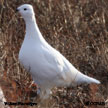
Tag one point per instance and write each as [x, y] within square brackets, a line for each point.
[25, 8]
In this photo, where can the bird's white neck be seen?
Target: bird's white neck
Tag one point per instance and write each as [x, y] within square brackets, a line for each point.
[32, 30]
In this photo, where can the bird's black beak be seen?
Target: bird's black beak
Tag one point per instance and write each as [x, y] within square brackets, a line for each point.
[17, 10]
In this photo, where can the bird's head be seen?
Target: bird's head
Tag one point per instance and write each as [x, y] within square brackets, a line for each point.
[26, 11]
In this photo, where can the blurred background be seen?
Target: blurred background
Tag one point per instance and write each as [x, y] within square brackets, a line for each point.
[77, 28]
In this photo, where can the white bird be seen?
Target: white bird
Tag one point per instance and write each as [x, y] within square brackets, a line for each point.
[48, 67]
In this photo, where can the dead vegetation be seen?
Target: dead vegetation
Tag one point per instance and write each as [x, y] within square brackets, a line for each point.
[77, 28]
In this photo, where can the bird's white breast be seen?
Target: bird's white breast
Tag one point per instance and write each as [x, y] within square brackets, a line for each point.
[43, 69]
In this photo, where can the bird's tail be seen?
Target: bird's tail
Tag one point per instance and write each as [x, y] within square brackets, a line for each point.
[81, 78]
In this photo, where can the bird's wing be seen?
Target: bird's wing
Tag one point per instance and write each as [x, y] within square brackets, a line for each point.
[60, 64]
[53, 58]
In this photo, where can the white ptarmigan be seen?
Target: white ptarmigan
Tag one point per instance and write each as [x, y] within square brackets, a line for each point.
[46, 65]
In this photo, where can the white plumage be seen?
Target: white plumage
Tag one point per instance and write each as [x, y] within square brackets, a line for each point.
[47, 66]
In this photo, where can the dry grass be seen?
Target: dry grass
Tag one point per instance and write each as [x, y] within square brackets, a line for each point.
[77, 28]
